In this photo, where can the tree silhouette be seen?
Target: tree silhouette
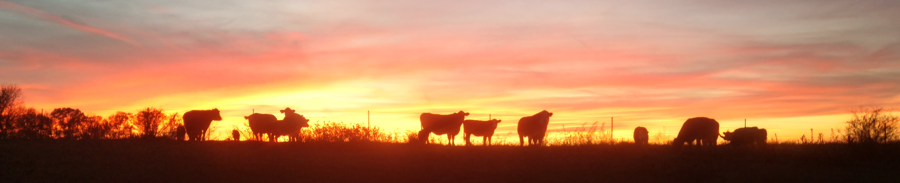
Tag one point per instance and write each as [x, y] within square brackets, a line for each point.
[67, 120]
[871, 126]
[94, 127]
[120, 125]
[148, 120]
[33, 125]
[169, 126]
[10, 96]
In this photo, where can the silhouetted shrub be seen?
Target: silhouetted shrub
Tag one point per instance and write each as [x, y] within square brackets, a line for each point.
[872, 126]
[328, 131]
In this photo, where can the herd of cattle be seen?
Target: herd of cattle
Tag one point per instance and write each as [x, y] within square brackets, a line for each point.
[703, 130]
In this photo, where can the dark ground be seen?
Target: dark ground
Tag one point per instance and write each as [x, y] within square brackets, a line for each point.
[167, 161]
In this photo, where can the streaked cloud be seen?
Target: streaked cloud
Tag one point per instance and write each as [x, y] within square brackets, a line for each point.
[645, 63]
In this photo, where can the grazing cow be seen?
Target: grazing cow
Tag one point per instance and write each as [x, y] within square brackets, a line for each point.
[441, 124]
[641, 135]
[485, 129]
[179, 133]
[534, 127]
[196, 122]
[263, 124]
[292, 124]
[746, 136]
[702, 129]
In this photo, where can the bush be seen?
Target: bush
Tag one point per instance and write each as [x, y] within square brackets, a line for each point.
[872, 126]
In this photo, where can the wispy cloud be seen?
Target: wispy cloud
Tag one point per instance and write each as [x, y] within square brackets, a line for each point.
[643, 64]
[53, 18]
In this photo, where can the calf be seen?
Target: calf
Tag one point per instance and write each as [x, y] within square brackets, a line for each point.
[485, 129]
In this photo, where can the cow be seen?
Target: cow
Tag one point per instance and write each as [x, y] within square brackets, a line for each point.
[702, 129]
[292, 124]
[196, 122]
[179, 133]
[640, 135]
[263, 124]
[235, 135]
[534, 127]
[746, 136]
[440, 124]
[485, 129]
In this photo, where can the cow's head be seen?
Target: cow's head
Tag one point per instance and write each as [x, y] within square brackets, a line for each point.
[544, 113]
[728, 135]
[494, 120]
[216, 116]
[462, 113]
[288, 110]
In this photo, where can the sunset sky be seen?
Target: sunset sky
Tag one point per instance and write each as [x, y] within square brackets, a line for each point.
[787, 66]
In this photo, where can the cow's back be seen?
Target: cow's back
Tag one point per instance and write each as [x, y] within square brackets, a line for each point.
[196, 119]
[531, 126]
[697, 128]
[480, 128]
[262, 123]
[441, 124]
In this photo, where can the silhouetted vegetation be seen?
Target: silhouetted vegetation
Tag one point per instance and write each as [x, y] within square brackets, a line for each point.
[872, 126]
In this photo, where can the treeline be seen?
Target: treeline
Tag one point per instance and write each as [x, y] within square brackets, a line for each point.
[20, 122]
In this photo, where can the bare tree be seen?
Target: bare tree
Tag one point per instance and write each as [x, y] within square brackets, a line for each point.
[10, 96]
[148, 121]
[170, 125]
[872, 125]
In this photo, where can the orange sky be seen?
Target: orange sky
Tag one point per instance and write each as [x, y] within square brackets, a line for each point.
[784, 66]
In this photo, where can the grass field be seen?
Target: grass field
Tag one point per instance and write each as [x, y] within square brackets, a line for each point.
[223, 161]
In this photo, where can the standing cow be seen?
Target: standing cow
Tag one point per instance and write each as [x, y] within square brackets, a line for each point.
[292, 124]
[196, 122]
[262, 124]
[179, 133]
[485, 129]
[235, 135]
[641, 135]
[440, 124]
[702, 129]
[534, 127]
[746, 136]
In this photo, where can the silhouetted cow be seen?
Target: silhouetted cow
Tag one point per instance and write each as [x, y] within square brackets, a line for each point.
[746, 136]
[262, 124]
[534, 127]
[485, 129]
[441, 124]
[292, 124]
[702, 129]
[641, 135]
[196, 122]
[235, 135]
[179, 133]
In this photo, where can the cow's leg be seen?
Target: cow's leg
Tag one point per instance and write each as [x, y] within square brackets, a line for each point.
[466, 137]
[521, 141]
[449, 139]
[484, 140]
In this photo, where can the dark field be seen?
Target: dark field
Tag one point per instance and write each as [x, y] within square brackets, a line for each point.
[167, 161]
